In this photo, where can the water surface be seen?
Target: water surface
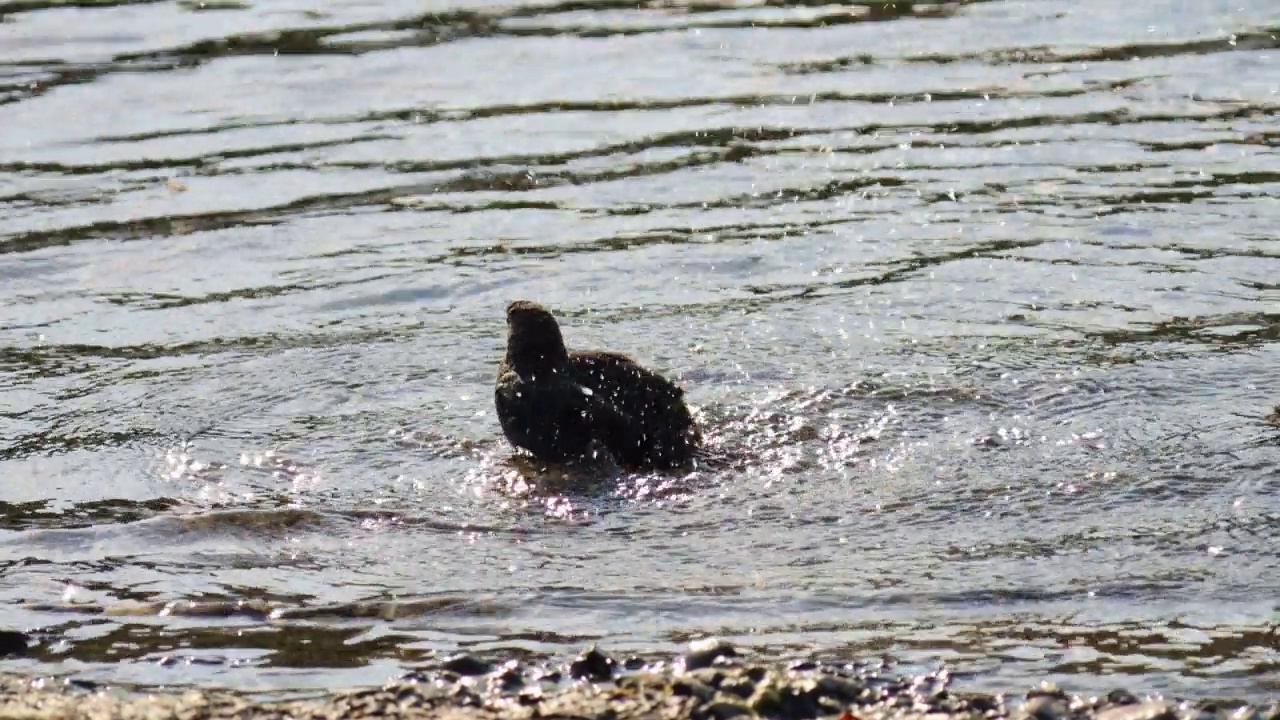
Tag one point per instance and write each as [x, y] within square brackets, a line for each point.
[982, 297]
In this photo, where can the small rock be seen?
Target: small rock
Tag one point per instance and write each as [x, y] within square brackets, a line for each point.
[414, 676]
[1152, 710]
[1043, 707]
[465, 665]
[412, 695]
[986, 704]
[507, 677]
[702, 653]
[80, 684]
[549, 676]
[740, 686]
[765, 701]
[787, 703]
[464, 696]
[592, 665]
[1120, 696]
[713, 677]
[1046, 689]
[1189, 712]
[948, 704]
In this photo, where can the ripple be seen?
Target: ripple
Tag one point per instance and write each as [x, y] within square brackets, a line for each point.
[975, 302]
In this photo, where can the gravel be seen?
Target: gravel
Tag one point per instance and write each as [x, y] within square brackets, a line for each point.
[710, 682]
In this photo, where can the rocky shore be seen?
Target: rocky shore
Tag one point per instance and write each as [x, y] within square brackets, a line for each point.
[707, 683]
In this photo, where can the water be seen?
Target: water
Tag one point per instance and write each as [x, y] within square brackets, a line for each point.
[982, 298]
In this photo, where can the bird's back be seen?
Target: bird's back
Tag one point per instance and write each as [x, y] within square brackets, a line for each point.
[663, 432]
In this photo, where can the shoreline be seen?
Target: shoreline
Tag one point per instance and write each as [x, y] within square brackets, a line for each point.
[707, 683]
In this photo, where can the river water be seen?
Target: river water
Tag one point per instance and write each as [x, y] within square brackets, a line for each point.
[982, 299]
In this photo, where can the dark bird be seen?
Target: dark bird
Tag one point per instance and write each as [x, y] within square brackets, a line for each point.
[562, 406]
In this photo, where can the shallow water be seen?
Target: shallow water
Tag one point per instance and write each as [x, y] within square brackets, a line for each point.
[982, 299]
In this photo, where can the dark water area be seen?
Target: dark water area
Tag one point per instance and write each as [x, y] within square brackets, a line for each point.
[982, 298]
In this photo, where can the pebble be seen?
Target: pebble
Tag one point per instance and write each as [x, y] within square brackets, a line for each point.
[593, 665]
[986, 704]
[658, 691]
[1121, 697]
[1046, 689]
[743, 687]
[507, 677]
[1189, 712]
[1043, 707]
[702, 653]
[687, 686]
